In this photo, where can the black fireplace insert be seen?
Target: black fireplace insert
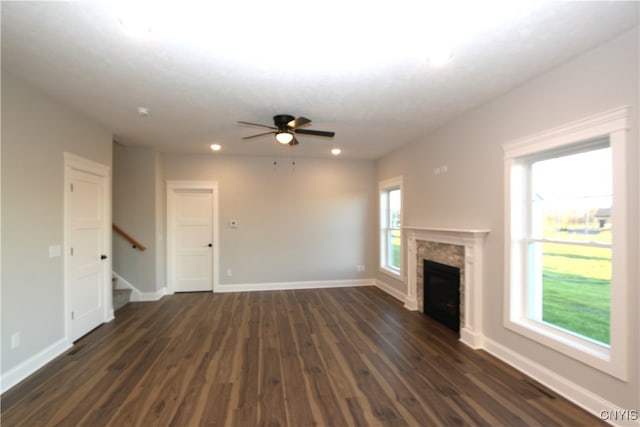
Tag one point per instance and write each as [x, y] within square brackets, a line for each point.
[442, 294]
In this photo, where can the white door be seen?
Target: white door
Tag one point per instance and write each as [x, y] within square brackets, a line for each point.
[86, 224]
[191, 211]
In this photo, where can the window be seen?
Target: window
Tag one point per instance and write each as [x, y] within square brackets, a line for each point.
[390, 227]
[567, 240]
[566, 245]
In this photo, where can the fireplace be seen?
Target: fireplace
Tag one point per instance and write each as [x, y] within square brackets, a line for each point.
[442, 293]
[439, 244]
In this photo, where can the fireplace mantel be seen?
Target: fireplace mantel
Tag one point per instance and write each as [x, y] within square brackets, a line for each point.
[472, 240]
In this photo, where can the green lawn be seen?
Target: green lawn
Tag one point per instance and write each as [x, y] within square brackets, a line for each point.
[576, 289]
[395, 249]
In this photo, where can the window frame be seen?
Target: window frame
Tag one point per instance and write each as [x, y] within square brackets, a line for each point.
[612, 126]
[384, 188]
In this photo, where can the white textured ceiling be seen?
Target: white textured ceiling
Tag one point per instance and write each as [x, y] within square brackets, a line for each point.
[355, 67]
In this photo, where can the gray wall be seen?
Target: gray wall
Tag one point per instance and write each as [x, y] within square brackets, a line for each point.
[36, 131]
[135, 176]
[311, 223]
[471, 194]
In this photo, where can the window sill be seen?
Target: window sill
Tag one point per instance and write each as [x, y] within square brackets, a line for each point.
[596, 355]
[395, 274]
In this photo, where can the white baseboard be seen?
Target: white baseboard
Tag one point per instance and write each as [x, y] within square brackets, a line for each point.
[399, 295]
[569, 390]
[472, 339]
[152, 296]
[280, 286]
[35, 362]
[136, 295]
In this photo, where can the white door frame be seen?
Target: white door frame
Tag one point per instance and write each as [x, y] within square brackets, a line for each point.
[71, 163]
[172, 187]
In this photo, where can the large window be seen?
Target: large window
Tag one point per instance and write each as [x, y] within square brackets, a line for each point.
[566, 256]
[568, 240]
[390, 227]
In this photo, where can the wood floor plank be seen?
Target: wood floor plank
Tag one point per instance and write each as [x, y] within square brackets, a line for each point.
[328, 357]
[321, 390]
[271, 395]
[216, 414]
[297, 404]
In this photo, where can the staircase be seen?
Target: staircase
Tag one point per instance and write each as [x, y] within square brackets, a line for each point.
[121, 297]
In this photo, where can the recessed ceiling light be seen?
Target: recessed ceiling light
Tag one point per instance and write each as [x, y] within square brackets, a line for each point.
[216, 147]
[336, 151]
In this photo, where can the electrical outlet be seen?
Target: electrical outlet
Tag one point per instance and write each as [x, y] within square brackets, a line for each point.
[15, 340]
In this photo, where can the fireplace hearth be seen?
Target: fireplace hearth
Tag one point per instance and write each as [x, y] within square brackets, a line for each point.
[442, 293]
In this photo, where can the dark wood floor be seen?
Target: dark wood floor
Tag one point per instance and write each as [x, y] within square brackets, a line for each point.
[333, 357]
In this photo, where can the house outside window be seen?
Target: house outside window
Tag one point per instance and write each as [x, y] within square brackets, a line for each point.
[390, 227]
[565, 239]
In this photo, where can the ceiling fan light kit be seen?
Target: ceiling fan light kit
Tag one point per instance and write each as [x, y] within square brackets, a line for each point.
[285, 126]
[284, 138]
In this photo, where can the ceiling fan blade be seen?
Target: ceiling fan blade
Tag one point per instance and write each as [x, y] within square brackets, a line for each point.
[315, 132]
[294, 142]
[299, 122]
[260, 134]
[256, 124]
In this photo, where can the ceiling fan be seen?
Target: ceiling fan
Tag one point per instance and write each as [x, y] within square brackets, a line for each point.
[284, 128]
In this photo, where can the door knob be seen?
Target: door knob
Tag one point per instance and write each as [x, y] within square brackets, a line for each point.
[210, 245]
[103, 256]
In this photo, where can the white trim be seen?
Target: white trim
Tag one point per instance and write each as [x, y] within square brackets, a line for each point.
[136, 295]
[123, 283]
[152, 296]
[580, 130]
[449, 233]
[32, 364]
[397, 294]
[172, 186]
[390, 183]
[280, 286]
[612, 359]
[389, 272]
[74, 162]
[571, 391]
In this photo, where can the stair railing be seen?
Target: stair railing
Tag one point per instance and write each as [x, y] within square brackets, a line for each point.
[134, 242]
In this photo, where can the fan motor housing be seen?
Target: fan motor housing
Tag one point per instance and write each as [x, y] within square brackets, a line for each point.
[281, 121]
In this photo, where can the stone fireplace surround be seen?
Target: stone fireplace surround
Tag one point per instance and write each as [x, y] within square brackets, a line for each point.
[460, 248]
